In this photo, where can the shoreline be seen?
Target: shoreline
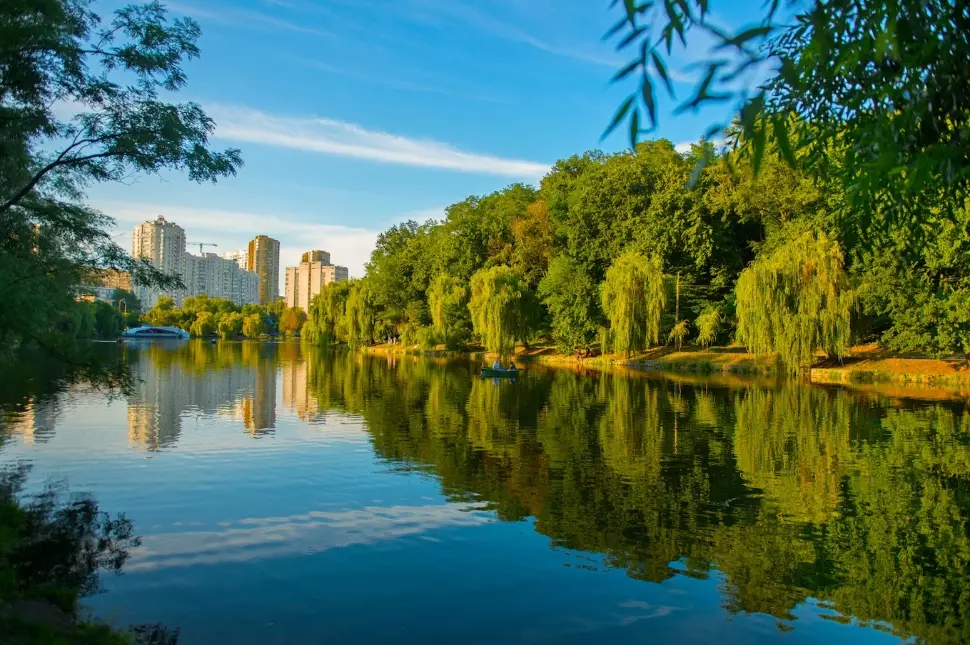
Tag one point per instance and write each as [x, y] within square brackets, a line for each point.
[866, 365]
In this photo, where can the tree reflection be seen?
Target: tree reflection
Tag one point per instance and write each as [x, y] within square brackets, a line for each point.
[790, 492]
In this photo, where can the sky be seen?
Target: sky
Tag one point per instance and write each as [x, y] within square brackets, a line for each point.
[355, 115]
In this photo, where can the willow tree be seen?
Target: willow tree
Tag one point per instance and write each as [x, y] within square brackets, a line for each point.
[325, 323]
[796, 301]
[360, 314]
[498, 299]
[448, 305]
[634, 299]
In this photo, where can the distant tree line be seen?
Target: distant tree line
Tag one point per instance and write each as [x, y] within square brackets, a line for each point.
[205, 317]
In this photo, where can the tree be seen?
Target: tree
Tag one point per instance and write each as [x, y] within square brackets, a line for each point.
[570, 296]
[326, 321]
[708, 326]
[448, 302]
[230, 325]
[56, 53]
[108, 321]
[204, 325]
[795, 301]
[534, 239]
[253, 326]
[634, 298]
[164, 313]
[498, 300]
[292, 320]
[360, 315]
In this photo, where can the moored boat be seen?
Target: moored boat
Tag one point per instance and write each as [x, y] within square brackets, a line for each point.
[491, 372]
[154, 332]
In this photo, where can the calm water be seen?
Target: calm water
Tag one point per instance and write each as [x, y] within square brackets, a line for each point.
[291, 496]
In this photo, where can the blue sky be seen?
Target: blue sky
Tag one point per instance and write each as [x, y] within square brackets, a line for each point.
[354, 115]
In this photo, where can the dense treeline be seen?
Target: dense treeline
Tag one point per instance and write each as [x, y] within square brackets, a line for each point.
[205, 317]
[793, 493]
[617, 253]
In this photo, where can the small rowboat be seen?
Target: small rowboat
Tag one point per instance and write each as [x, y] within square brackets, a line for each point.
[489, 372]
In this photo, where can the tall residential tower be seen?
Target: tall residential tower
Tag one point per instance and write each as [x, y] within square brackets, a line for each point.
[305, 281]
[264, 258]
[163, 245]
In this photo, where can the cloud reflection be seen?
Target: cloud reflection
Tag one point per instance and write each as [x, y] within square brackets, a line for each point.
[271, 537]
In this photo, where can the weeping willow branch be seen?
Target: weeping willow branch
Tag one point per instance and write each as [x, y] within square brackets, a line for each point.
[634, 299]
[796, 301]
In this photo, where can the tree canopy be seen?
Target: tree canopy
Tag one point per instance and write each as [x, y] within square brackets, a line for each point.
[85, 100]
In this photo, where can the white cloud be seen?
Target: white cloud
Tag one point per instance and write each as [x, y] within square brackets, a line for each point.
[684, 146]
[342, 139]
[232, 230]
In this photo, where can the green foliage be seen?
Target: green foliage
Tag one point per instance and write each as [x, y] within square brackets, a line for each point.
[571, 298]
[426, 337]
[678, 333]
[360, 315]
[795, 301]
[111, 74]
[499, 308]
[292, 321]
[254, 325]
[327, 323]
[230, 325]
[448, 304]
[634, 298]
[108, 321]
[708, 326]
[204, 325]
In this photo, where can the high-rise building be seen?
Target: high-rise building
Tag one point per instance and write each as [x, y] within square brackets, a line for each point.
[316, 256]
[264, 258]
[163, 245]
[219, 277]
[240, 257]
[306, 280]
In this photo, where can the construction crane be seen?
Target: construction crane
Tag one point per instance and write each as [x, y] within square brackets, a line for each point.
[201, 244]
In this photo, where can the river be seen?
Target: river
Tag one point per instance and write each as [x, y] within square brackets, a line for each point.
[291, 495]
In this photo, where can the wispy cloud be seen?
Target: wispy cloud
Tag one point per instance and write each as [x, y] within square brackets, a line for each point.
[509, 31]
[244, 18]
[394, 83]
[342, 139]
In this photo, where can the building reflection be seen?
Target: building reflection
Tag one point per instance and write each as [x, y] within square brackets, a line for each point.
[35, 423]
[296, 395]
[232, 380]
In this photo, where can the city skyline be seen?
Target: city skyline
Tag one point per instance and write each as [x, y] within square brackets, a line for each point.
[244, 276]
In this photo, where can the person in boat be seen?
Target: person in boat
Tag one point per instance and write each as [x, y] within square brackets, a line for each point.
[512, 367]
[497, 365]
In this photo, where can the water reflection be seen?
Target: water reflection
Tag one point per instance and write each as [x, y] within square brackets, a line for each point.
[790, 492]
[787, 496]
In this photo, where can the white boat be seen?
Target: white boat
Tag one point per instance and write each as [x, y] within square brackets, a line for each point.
[151, 332]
